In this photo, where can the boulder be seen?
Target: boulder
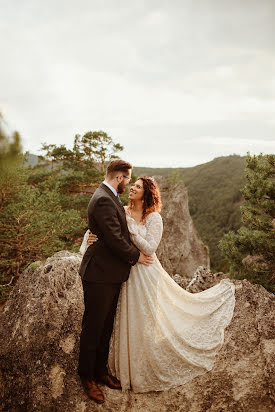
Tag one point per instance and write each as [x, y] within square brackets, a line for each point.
[181, 250]
[202, 279]
[40, 328]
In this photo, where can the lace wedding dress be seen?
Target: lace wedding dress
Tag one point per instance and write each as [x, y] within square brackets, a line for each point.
[164, 336]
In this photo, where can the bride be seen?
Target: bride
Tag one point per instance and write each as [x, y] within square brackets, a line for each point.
[163, 336]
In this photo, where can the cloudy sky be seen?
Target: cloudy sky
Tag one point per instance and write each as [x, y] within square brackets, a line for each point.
[177, 82]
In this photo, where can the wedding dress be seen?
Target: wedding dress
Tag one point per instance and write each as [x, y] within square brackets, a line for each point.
[164, 336]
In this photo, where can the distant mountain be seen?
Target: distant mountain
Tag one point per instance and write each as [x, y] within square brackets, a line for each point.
[214, 197]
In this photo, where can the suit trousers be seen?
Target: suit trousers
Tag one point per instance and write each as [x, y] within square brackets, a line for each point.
[100, 300]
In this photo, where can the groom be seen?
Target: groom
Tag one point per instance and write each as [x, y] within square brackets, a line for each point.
[105, 265]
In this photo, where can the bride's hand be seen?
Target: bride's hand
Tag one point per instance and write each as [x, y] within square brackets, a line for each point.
[92, 238]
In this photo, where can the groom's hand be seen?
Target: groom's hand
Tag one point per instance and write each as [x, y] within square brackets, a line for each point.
[145, 260]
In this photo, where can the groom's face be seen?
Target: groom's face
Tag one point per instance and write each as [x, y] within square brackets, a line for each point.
[126, 177]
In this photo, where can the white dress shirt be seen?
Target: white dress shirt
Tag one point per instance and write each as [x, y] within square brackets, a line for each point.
[111, 188]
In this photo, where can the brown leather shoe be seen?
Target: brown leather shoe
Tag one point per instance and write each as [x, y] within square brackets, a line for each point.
[93, 391]
[110, 381]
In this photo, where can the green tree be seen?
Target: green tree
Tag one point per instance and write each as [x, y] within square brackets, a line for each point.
[55, 154]
[33, 224]
[250, 250]
[99, 146]
[10, 157]
[92, 150]
[10, 147]
[78, 170]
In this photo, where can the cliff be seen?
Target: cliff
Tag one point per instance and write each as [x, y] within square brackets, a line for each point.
[181, 249]
[40, 328]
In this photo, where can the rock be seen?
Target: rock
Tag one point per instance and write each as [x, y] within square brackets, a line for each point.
[180, 280]
[202, 279]
[181, 249]
[40, 328]
[40, 333]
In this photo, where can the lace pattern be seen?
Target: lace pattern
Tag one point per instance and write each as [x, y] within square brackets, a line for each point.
[146, 236]
[164, 336]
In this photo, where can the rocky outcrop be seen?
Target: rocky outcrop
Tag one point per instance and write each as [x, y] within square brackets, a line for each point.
[202, 279]
[181, 249]
[40, 327]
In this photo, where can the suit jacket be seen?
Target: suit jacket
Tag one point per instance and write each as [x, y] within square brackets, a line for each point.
[110, 258]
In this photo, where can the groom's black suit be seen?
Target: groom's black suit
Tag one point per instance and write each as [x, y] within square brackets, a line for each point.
[105, 265]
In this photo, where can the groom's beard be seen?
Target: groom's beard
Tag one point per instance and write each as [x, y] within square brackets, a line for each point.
[120, 188]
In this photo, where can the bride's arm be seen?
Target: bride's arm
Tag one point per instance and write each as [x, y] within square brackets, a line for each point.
[89, 239]
[84, 243]
[149, 244]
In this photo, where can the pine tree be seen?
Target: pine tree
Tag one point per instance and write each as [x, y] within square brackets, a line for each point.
[250, 251]
[33, 224]
[79, 170]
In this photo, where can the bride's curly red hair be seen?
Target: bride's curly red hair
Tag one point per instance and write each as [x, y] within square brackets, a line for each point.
[151, 197]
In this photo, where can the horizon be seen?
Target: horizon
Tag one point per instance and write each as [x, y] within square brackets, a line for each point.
[168, 167]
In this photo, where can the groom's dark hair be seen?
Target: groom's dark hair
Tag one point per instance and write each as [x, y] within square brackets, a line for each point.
[118, 166]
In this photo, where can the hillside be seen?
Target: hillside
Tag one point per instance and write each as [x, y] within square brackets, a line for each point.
[214, 197]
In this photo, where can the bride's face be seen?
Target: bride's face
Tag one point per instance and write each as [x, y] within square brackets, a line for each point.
[137, 191]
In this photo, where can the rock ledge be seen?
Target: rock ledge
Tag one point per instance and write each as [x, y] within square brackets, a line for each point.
[40, 328]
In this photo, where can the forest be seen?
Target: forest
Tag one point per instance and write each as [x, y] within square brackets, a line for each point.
[214, 198]
[44, 201]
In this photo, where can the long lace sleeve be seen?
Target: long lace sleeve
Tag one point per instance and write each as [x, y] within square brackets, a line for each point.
[84, 243]
[154, 229]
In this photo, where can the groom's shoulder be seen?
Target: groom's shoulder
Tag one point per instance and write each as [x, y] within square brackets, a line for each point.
[100, 193]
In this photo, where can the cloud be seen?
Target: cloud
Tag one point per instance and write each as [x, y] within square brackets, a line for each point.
[141, 70]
